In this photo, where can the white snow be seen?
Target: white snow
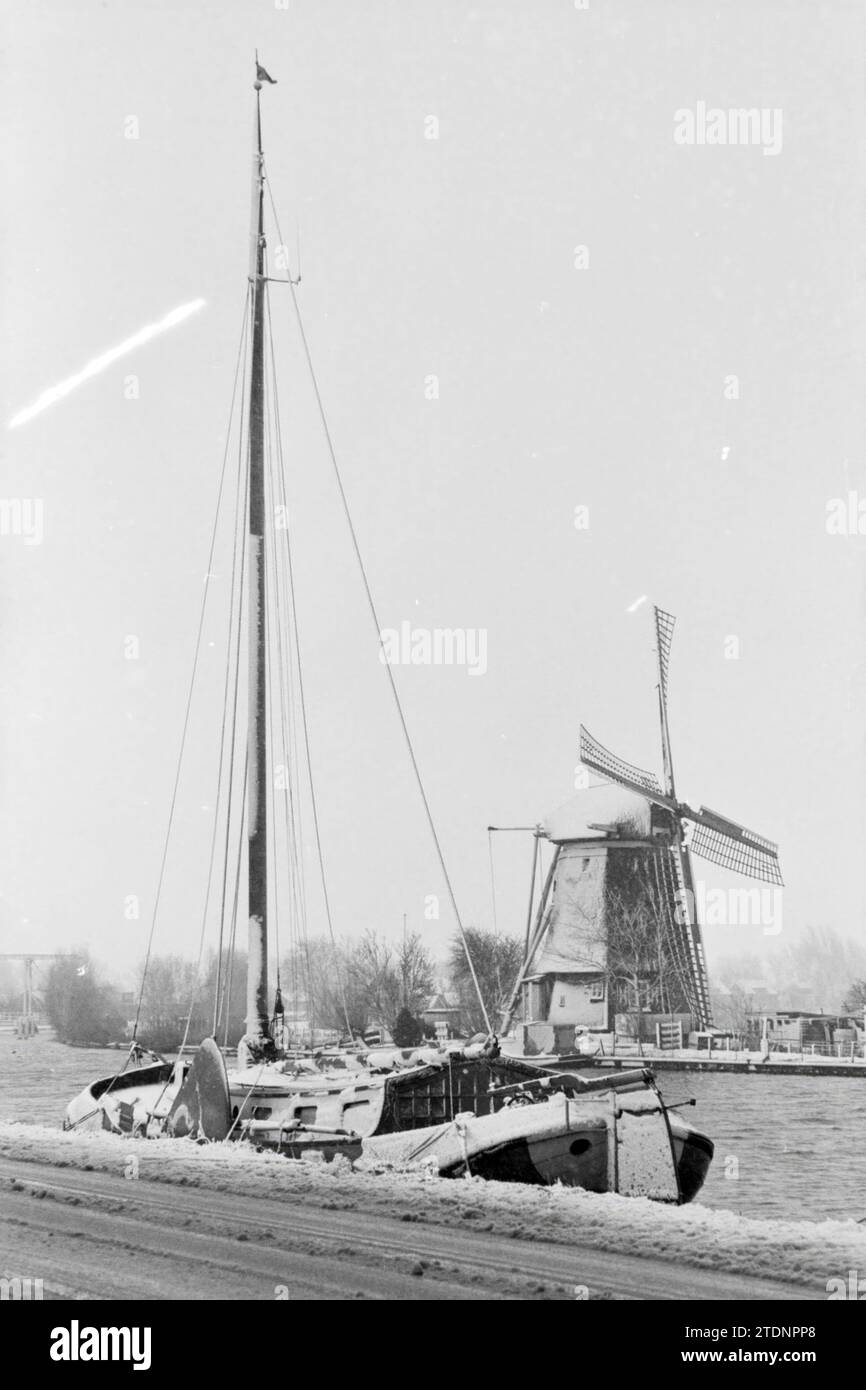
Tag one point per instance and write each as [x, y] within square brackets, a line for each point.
[798, 1252]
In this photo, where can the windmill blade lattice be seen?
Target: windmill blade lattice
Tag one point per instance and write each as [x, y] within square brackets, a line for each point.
[686, 937]
[732, 847]
[665, 624]
[594, 755]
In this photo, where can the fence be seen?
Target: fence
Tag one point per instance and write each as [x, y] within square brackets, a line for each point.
[740, 1049]
[841, 1051]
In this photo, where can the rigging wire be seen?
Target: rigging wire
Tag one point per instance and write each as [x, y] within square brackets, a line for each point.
[492, 877]
[296, 911]
[290, 801]
[229, 799]
[495, 923]
[274, 880]
[233, 587]
[227, 995]
[196, 978]
[301, 691]
[240, 527]
[196, 654]
[374, 614]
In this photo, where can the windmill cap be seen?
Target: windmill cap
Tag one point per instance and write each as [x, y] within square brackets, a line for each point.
[598, 812]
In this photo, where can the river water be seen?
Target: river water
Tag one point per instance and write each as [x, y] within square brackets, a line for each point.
[786, 1146]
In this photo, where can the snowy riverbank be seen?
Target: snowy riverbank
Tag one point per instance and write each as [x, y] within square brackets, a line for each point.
[792, 1252]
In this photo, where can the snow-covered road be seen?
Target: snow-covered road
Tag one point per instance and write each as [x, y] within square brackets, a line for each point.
[171, 1219]
[95, 1235]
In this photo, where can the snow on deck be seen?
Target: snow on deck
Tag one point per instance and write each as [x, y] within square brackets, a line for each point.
[794, 1252]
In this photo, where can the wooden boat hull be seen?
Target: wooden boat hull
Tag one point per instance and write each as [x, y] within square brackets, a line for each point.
[607, 1142]
[123, 1102]
[490, 1117]
[561, 1159]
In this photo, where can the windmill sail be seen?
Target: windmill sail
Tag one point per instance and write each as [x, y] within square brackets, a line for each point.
[665, 623]
[689, 938]
[684, 931]
[731, 846]
[594, 754]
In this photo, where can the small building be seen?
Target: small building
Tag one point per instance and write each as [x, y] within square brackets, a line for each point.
[442, 1015]
[802, 1026]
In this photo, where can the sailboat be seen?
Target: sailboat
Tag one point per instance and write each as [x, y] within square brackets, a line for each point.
[466, 1111]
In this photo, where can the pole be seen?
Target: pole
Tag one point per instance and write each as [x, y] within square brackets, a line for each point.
[537, 934]
[535, 848]
[258, 1042]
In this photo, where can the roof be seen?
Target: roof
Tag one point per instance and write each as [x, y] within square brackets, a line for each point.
[595, 811]
[439, 1004]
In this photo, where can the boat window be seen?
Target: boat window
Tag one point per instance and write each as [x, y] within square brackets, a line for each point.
[355, 1114]
[306, 1113]
[262, 1112]
[580, 1146]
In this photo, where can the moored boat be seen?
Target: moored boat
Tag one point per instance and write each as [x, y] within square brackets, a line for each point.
[489, 1116]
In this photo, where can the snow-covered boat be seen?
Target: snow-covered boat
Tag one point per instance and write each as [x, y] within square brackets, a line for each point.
[487, 1116]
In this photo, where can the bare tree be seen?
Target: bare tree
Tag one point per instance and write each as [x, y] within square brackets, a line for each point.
[734, 1009]
[372, 976]
[80, 1007]
[170, 991]
[417, 972]
[855, 999]
[634, 941]
[316, 983]
[497, 960]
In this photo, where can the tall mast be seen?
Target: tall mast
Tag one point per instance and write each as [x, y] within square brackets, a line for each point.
[258, 1039]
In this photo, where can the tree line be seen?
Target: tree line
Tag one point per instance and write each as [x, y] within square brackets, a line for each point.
[349, 987]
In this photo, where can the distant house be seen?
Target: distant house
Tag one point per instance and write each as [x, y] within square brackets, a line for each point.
[440, 1013]
[800, 1026]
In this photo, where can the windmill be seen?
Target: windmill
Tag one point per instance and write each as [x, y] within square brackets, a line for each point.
[702, 832]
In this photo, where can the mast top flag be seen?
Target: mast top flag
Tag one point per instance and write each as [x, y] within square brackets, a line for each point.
[263, 76]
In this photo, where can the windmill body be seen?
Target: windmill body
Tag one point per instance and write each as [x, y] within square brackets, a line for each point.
[606, 958]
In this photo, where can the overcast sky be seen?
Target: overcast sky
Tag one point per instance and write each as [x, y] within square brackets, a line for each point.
[560, 386]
